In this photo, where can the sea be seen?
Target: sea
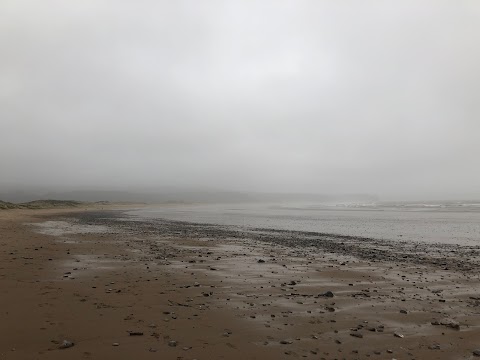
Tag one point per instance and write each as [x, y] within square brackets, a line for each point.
[452, 222]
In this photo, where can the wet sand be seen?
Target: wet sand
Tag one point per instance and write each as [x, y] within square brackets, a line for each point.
[204, 292]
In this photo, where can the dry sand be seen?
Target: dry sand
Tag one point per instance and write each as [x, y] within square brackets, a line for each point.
[80, 277]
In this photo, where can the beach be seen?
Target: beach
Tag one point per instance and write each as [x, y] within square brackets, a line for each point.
[102, 284]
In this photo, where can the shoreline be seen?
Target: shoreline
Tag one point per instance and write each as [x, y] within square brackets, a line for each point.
[205, 292]
[442, 255]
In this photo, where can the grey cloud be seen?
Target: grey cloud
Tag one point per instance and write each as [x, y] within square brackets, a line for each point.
[295, 96]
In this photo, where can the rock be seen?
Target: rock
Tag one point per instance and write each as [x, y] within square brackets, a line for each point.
[172, 343]
[66, 344]
[356, 334]
[286, 342]
[261, 261]
[476, 352]
[326, 294]
[115, 344]
[396, 334]
[434, 347]
[450, 323]
[403, 311]
[135, 333]
[292, 283]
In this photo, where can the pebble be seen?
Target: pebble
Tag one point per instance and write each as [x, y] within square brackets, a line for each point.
[135, 333]
[476, 352]
[66, 344]
[172, 343]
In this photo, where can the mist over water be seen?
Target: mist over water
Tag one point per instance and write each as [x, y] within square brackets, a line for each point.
[447, 223]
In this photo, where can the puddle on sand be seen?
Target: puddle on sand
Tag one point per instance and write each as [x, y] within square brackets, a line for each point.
[61, 228]
[83, 265]
[92, 262]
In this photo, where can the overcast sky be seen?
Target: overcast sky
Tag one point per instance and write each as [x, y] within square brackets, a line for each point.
[379, 97]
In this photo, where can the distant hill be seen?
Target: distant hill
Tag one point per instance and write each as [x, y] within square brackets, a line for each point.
[183, 196]
[40, 204]
[7, 205]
